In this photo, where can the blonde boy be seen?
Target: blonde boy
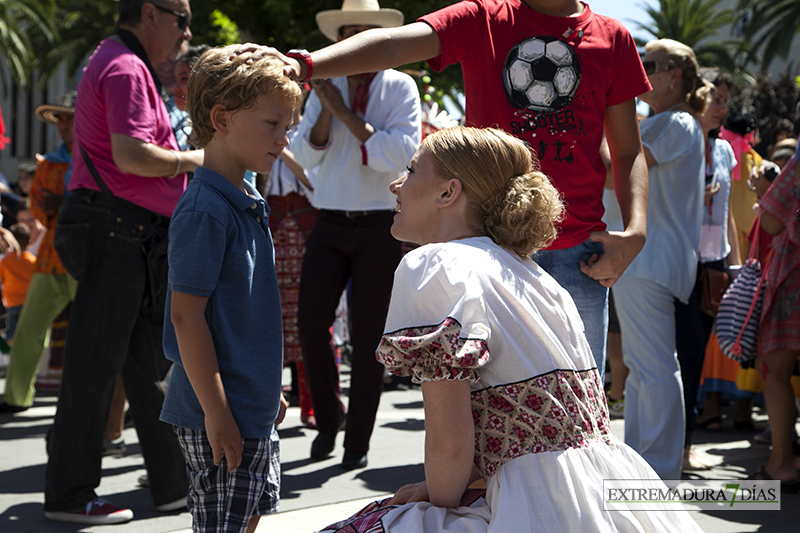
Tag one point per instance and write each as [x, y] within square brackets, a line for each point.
[224, 332]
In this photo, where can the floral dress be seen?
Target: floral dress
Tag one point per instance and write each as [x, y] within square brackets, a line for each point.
[471, 310]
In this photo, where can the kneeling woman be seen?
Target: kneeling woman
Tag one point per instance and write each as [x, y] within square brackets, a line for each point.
[508, 380]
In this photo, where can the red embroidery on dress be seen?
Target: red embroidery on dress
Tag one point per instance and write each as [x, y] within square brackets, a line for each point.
[548, 413]
[433, 353]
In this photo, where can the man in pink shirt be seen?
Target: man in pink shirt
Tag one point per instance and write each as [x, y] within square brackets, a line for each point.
[126, 180]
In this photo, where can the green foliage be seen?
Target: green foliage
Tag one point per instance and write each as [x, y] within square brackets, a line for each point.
[694, 23]
[769, 100]
[770, 25]
[686, 21]
[80, 26]
[228, 31]
[286, 25]
[23, 25]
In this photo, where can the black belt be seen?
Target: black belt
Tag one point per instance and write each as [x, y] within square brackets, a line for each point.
[358, 214]
[96, 197]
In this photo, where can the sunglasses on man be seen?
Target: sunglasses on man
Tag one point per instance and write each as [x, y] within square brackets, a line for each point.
[183, 20]
[654, 67]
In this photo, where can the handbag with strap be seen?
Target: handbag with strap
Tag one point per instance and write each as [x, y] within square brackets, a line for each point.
[713, 284]
[739, 313]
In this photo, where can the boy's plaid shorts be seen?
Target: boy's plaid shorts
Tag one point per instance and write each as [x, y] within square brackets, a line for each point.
[222, 501]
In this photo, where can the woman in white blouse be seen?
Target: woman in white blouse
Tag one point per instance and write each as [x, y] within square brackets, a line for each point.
[666, 267]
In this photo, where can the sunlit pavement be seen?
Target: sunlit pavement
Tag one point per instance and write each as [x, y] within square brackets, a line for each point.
[315, 494]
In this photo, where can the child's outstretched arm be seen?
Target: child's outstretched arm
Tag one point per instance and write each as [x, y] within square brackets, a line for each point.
[199, 359]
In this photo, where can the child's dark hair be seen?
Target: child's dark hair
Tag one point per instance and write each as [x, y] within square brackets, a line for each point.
[22, 233]
[23, 204]
[741, 123]
[192, 54]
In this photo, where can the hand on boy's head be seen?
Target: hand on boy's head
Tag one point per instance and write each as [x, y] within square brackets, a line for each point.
[292, 69]
[224, 438]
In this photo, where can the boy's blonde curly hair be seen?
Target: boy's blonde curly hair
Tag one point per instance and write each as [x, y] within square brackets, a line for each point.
[508, 198]
[217, 79]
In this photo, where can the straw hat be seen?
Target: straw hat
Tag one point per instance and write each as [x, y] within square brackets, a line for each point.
[357, 13]
[66, 104]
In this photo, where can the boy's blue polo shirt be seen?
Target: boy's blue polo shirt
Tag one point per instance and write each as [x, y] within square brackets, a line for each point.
[220, 248]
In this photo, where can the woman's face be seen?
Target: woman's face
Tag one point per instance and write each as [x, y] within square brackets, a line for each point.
[660, 73]
[182, 71]
[717, 109]
[417, 192]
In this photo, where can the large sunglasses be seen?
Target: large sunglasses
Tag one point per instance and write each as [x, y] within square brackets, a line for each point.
[654, 67]
[183, 20]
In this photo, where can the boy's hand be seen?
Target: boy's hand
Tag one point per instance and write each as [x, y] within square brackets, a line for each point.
[620, 249]
[225, 439]
[293, 68]
[284, 405]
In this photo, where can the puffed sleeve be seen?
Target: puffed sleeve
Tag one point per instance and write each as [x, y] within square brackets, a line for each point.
[436, 327]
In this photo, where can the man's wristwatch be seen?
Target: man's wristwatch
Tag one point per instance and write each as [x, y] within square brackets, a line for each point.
[304, 57]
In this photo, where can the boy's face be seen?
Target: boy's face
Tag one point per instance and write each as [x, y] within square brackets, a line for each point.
[258, 135]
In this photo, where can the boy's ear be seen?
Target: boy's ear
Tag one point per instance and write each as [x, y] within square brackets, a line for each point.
[449, 193]
[220, 117]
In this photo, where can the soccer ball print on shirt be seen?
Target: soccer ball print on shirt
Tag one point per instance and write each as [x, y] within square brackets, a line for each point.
[541, 74]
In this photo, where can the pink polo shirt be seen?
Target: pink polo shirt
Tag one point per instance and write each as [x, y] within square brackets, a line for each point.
[117, 94]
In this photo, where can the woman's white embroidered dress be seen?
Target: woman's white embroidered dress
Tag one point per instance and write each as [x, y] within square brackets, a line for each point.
[471, 310]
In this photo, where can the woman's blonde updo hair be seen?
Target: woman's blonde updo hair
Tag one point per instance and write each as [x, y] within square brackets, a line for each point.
[697, 91]
[508, 199]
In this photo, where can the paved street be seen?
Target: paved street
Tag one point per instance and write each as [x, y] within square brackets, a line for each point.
[315, 494]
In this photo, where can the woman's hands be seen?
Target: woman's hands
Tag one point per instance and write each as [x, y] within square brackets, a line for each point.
[415, 492]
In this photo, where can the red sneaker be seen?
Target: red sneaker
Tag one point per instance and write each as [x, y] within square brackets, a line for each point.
[96, 512]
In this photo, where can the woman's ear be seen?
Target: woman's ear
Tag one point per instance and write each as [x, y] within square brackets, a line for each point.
[677, 74]
[219, 118]
[450, 192]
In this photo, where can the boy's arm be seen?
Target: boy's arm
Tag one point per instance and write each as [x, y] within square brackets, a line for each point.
[630, 184]
[368, 51]
[199, 359]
